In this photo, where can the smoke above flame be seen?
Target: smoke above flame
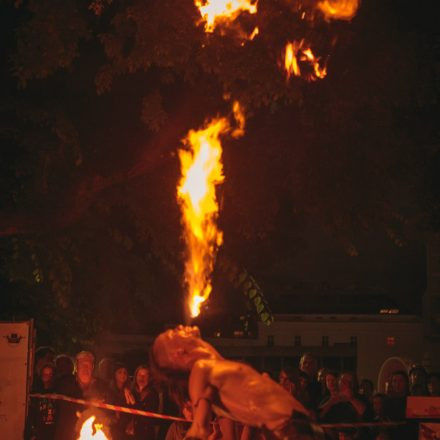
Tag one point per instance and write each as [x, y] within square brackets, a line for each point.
[202, 171]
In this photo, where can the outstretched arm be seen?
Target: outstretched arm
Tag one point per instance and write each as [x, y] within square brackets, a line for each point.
[202, 394]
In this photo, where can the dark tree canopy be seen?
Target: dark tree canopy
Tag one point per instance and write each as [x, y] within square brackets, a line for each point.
[98, 95]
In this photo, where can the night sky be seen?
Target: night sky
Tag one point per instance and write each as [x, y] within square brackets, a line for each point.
[332, 192]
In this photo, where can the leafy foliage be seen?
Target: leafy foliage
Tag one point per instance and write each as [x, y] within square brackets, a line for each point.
[108, 89]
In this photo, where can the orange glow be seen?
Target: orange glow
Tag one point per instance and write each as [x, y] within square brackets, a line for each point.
[240, 118]
[290, 61]
[338, 9]
[92, 431]
[298, 51]
[202, 171]
[214, 11]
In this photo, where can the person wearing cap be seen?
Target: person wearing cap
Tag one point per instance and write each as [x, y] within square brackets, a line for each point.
[82, 385]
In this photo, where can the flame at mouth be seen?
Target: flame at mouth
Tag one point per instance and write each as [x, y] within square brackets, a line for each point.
[296, 52]
[202, 171]
[216, 11]
[92, 431]
[338, 9]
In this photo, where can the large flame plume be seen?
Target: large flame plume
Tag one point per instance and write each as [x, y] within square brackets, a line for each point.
[216, 11]
[202, 172]
[296, 52]
[338, 9]
[91, 430]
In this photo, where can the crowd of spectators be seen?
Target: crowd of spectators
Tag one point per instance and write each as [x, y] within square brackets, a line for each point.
[330, 397]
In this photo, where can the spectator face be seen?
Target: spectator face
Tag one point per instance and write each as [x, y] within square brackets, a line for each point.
[331, 383]
[142, 378]
[121, 377]
[84, 371]
[434, 386]
[346, 383]
[47, 376]
[309, 365]
[398, 385]
[286, 383]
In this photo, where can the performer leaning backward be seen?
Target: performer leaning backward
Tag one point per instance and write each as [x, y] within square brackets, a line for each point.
[230, 389]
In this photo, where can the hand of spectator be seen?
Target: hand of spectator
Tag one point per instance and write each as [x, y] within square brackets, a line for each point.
[129, 398]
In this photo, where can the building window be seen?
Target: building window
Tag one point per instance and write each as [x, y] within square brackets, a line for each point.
[297, 341]
[325, 341]
[391, 341]
[270, 341]
[353, 341]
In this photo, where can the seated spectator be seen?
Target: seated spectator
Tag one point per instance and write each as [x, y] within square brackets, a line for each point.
[434, 384]
[83, 385]
[42, 414]
[418, 381]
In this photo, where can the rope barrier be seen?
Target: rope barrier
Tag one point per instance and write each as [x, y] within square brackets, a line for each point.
[102, 405]
[139, 412]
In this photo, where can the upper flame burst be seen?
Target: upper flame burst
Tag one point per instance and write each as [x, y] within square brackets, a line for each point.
[338, 9]
[214, 11]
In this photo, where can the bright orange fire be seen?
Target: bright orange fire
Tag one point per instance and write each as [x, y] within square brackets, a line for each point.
[298, 51]
[338, 9]
[215, 11]
[202, 172]
[91, 430]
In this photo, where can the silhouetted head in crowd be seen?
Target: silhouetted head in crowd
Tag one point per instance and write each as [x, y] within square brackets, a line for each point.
[398, 386]
[47, 376]
[85, 362]
[64, 365]
[331, 383]
[347, 384]
[417, 381]
[309, 364]
[366, 388]
[141, 377]
[120, 376]
[105, 369]
[43, 356]
[289, 379]
[434, 384]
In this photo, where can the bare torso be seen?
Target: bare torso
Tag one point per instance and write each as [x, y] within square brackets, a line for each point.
[246, 395]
